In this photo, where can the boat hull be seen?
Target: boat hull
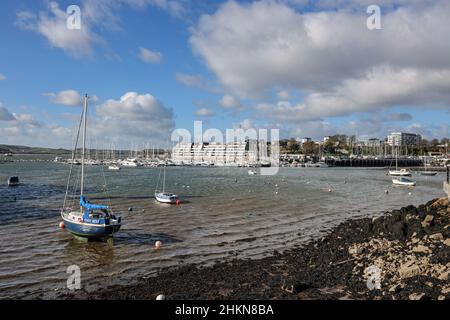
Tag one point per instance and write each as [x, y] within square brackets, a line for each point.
[403, 183]
[429, 173]
[173, 199]
[89, 230]
[399, 174]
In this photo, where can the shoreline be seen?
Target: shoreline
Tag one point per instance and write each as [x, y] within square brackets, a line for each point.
[409, 247]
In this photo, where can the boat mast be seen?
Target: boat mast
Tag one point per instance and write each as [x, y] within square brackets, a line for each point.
[84, 144]
[164, 180]
[396, 158]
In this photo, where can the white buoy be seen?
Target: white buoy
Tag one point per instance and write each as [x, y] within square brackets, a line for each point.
[161, 297]
[158, 244]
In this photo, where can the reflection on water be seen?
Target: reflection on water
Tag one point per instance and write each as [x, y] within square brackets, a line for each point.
[225, 213]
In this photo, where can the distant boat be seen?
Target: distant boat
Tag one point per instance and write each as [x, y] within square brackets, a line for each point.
[114, 167]
[165, 197]
[400, 173]
[74, 162]
[130, 163]
[402, 181]
[251, 172]
[426, 172]
[88, 220]
[397, 172]
[13, 181]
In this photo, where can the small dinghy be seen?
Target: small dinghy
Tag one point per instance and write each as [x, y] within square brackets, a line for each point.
[251, 172]
[402, 181]
[13, 181]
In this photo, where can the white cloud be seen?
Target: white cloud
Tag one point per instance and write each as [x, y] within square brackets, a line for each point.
[95, 16]
[52, 25]
[65, 97]
[69, 97]
[150, 56]
[230, 102]
[204, 112]
[337, 64]
[2, 77]
[134, 117]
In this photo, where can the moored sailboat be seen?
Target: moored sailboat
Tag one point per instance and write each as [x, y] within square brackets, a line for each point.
[88, 220]
[165, 197]
[397, 172]
[426, 172]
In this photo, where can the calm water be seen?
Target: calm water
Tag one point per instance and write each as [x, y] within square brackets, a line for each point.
[226, 214]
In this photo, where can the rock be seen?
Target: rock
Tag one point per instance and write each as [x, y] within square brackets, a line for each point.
[399, 230]
[421, 249]
[415, 240]
[437, 236]
[444, 276]
[447, 242]
[443, 202]
[354, 250]
[416, 296]
[445, 290]
[408, 270]
[427, 221]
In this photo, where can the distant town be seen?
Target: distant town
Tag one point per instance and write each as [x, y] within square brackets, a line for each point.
[409, 149]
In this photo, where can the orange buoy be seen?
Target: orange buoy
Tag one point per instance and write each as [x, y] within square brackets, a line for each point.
[178, 202]
[158, 244]
[61, 225]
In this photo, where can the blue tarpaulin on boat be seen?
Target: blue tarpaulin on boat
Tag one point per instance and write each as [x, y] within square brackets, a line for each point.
[90, 206]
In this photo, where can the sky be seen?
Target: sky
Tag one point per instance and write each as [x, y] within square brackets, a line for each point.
[308, 68]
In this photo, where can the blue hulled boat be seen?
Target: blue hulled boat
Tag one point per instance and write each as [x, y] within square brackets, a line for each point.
[95, 222]
[88, 220]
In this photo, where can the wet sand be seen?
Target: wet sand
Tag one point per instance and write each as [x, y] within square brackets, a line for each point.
[410, 247]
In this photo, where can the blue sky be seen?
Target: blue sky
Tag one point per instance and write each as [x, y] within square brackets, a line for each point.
[155, 65]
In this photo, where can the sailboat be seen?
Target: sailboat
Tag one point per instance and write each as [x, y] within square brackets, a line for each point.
[165, 197]
[88, 220]
[397, 172]
[426, 172]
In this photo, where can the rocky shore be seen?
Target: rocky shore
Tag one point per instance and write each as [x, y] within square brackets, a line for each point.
[402, 255]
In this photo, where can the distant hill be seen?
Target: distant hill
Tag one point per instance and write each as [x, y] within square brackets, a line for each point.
[30, 150]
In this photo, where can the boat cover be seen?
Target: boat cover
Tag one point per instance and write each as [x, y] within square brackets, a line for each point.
[85, 204]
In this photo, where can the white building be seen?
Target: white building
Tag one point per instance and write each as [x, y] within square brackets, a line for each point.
[220, 154]
[397, 139]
